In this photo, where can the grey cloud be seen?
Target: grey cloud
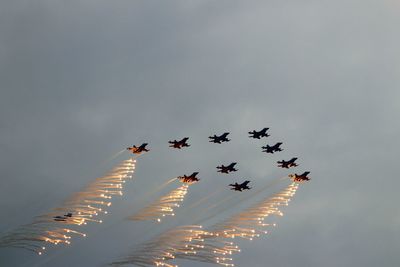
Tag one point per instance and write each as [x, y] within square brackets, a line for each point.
[84, 79]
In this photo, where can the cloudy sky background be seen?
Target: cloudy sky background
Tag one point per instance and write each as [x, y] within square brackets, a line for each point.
[81, 80]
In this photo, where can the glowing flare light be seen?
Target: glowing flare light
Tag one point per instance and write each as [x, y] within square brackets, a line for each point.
[213, 246]
[83, 207]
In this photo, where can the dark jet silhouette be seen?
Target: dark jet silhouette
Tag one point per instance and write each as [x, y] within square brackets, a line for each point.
[240, 187]
[287, 164]
[272, 149]
[62, 218]
[179, 144]
[227, 169]
[219, 139]
[259, 134]
[189, 179]
[300, 178]
[138, 150]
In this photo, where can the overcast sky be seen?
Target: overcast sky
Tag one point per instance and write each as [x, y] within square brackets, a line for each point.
[81, 80]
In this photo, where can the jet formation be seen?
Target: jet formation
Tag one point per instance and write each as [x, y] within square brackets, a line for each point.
[189, 179]
[90, 202]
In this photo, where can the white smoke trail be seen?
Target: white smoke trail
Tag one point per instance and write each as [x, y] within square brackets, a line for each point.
[60, 225]
[213, 246]
[164, 206]
[248, 224]
[233, 199]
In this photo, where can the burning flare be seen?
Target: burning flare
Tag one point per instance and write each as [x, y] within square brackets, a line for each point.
[163, 207]
[81, 208]
[213, 246]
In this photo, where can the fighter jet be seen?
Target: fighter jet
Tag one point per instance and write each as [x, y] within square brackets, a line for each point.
[219, 139]
[272, 149]
[189, 179]
[287, 164]
[62, 218]
[258, 135]
[179, 144]
[240, 187]
[138, 150]
[300, 178]
[227, 169]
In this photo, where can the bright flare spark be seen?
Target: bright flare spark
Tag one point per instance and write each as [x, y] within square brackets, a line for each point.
[83, 206]
[163, 207]
[194, 243]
